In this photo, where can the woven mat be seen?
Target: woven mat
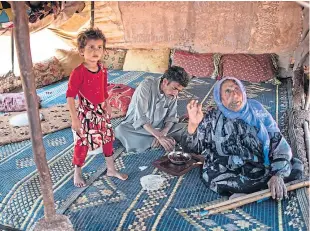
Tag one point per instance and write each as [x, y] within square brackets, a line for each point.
[176, 206]
[111, 204]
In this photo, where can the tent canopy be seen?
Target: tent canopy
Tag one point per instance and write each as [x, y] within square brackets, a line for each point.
[204, 27]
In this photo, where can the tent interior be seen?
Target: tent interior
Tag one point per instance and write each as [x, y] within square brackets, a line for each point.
[263, 44]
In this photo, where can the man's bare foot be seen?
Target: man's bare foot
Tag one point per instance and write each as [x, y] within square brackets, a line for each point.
[118, 175]
[78, 179]
[235, 195]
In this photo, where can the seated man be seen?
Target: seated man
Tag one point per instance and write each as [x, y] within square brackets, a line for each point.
[152, 113]
[243, 147]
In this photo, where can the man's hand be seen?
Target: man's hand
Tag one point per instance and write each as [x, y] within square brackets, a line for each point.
[277, 187]
[168, 143]
[195, 114]
[155, 143]
[157, 133]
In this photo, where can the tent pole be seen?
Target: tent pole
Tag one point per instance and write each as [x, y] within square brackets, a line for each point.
[51, 220]
[12, 49]
[22, 39]
[303, 3]
[92, 14]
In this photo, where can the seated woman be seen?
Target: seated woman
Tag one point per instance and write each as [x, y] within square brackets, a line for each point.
[243, 147]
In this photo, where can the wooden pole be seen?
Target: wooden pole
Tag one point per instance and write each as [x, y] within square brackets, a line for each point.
[22, 41]
[239, 201]
[92, 14]
[307, 140]
[303, 3]
[12, 49]
[307, 104]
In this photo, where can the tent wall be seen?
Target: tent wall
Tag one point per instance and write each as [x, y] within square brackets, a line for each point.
[226, 27]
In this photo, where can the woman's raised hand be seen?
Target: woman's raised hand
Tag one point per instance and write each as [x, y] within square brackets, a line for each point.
[195, 114]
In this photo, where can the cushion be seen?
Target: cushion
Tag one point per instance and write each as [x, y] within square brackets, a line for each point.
[9, 82]
[10, 102]
[119, 97]
[198, 65]
[113, 59]
[69, 59]
[249, 67]
[47, 72]
[155, 61]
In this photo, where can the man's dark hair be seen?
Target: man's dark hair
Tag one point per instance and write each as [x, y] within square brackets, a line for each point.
[88, 34]
[177, 74]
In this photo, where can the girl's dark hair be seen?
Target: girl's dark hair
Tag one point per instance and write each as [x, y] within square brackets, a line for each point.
[88, 34]
[177, 74]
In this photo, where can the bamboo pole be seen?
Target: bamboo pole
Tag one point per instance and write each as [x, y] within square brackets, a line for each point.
[249, 198]
[22, 41]
[92, 14]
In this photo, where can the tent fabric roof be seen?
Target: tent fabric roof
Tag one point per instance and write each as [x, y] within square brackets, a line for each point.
[225, 27]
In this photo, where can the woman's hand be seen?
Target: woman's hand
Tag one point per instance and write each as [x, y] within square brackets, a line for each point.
[194, 110]
[277, 187]
[195, 115]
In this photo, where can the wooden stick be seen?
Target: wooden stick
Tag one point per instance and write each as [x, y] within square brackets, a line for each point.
[204, 99]
[239, 201]
[307, 104]
[307, 140]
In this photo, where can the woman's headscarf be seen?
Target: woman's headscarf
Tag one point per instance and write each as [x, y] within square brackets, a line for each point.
[252, 112]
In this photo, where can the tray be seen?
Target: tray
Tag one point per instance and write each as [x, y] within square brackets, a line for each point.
[165, 165]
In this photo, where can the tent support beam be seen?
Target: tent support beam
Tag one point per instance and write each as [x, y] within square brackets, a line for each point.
[51, 221]
[22, 39]
[92, 14]
[12, 49]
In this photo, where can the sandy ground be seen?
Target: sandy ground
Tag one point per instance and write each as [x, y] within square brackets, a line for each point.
[43, 45]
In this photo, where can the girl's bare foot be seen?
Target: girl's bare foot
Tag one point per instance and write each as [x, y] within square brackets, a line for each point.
[78, 179]
[117, 174]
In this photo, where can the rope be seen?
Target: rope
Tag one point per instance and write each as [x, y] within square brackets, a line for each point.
[216, 62]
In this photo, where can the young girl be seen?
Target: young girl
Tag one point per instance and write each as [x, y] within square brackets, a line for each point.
[91, 125]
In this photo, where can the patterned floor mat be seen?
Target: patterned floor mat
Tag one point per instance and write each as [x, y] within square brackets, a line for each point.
[114, 205]
[110, 204]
